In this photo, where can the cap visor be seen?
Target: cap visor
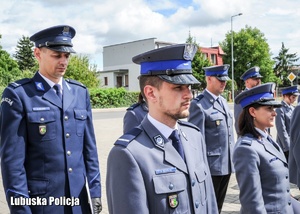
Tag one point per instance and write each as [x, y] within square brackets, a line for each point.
[271, 103]
[223, 78]
[65, 49]
[181, 79]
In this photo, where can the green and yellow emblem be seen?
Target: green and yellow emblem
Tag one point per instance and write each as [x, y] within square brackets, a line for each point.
[42, 129]
[173, 201]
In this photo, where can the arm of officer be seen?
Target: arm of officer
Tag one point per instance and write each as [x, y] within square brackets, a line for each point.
[130, 120]
[295, 135]
[248, 178]
[91, 158]
[13, 149]
[197, 117]
[282, 133]
[125, 187]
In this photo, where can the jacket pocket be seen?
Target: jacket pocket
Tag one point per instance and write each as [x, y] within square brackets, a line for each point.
[37, 187]
[80, 116]
[201, 176]
[41, 126]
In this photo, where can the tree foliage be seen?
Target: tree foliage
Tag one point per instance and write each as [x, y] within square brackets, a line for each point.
[284, 63]
[250, 49]
[24, 54]
[80, 69]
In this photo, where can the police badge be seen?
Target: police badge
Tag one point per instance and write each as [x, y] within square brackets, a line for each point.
[173, 201]
[189, 51]
[42, 129]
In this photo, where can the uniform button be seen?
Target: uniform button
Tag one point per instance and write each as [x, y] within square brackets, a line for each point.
[171, 186]
[286, 177]
[193, 182]
[66, 118]
[70, 170]
[29, 191]
[67, 135]
[288, 190]
[289, 203]
[81, 116]
[69, 153]
[42, 119]
[197, 204]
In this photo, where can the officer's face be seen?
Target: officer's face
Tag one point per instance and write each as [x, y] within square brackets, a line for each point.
[263, 116]
[169, 103]
[52, 64]
[252, 82]
[215, 86]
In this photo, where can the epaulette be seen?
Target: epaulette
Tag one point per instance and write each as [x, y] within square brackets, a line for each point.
[20, 82]
[184, 123]
[125, 139]
[75, 82]
[199, 97]
[247, 140]
[133, 106]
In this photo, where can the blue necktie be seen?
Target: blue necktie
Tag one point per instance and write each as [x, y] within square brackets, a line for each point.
[57, 88]
[176, 142]
[271, 141]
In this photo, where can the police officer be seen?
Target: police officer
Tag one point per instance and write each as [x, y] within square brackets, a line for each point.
[211, 114]
[48, 147]
[252, 78]
[283, 118]
[135, 114]
[160, 166]
[260, 164]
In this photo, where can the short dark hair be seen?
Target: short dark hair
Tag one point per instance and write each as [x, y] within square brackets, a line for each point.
[154, 81]
[246, 122]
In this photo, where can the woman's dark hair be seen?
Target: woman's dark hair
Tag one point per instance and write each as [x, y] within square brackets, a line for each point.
[246, 122]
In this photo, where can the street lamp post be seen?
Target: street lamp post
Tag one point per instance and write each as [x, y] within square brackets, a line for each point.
[232, 66]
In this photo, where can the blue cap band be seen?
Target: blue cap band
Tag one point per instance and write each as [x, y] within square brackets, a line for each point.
[252, 74]
[165, 65]
[290, 90]
[254, 98]
[217, 73]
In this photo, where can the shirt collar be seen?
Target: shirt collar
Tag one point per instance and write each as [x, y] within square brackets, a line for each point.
[50, 82]
[164, 129]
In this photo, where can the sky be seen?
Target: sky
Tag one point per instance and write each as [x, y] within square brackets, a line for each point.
[101, 23]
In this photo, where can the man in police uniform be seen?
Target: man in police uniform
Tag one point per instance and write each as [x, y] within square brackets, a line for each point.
[48, 148]
[211, 114]
[283, 118]
[252, 78]
[151, 169]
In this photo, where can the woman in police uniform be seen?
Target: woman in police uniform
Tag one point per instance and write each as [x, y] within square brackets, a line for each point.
[260, 164]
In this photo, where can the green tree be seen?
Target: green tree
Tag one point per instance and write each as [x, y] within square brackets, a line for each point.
[24, 54]
[250, 49]
[79, 69]
[284, 63]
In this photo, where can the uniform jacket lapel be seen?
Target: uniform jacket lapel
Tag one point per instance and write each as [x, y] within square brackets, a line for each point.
[271, 149]
[47, 93]
[214, 102]
[68, 96]
[168, 151]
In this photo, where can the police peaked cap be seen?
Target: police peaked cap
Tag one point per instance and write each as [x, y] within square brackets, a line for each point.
[218, 71]
[57, 38]
[262, 94]
[291, 90]
[251, 73]
[171, 63]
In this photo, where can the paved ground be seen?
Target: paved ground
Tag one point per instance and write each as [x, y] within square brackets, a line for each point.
[108, 127]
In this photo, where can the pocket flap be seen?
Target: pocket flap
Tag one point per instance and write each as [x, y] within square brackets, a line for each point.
[200, 175]
[41, 117]
[80, 114]
[37, 187]
[169, 183]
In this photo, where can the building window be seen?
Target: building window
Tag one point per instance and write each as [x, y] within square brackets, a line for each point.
[119, 81]
[204, 55]
[213, 58]
[105, 81]
[126, 81]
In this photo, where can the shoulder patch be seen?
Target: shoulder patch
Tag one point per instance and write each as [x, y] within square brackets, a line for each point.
[246, 141]
[20, 82]
[125, 139]
[199, 97]
[184, 123]
[133, 106]
[75, 82]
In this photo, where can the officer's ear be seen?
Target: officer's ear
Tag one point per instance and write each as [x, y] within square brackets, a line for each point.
[150, 93]
[37, 53]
